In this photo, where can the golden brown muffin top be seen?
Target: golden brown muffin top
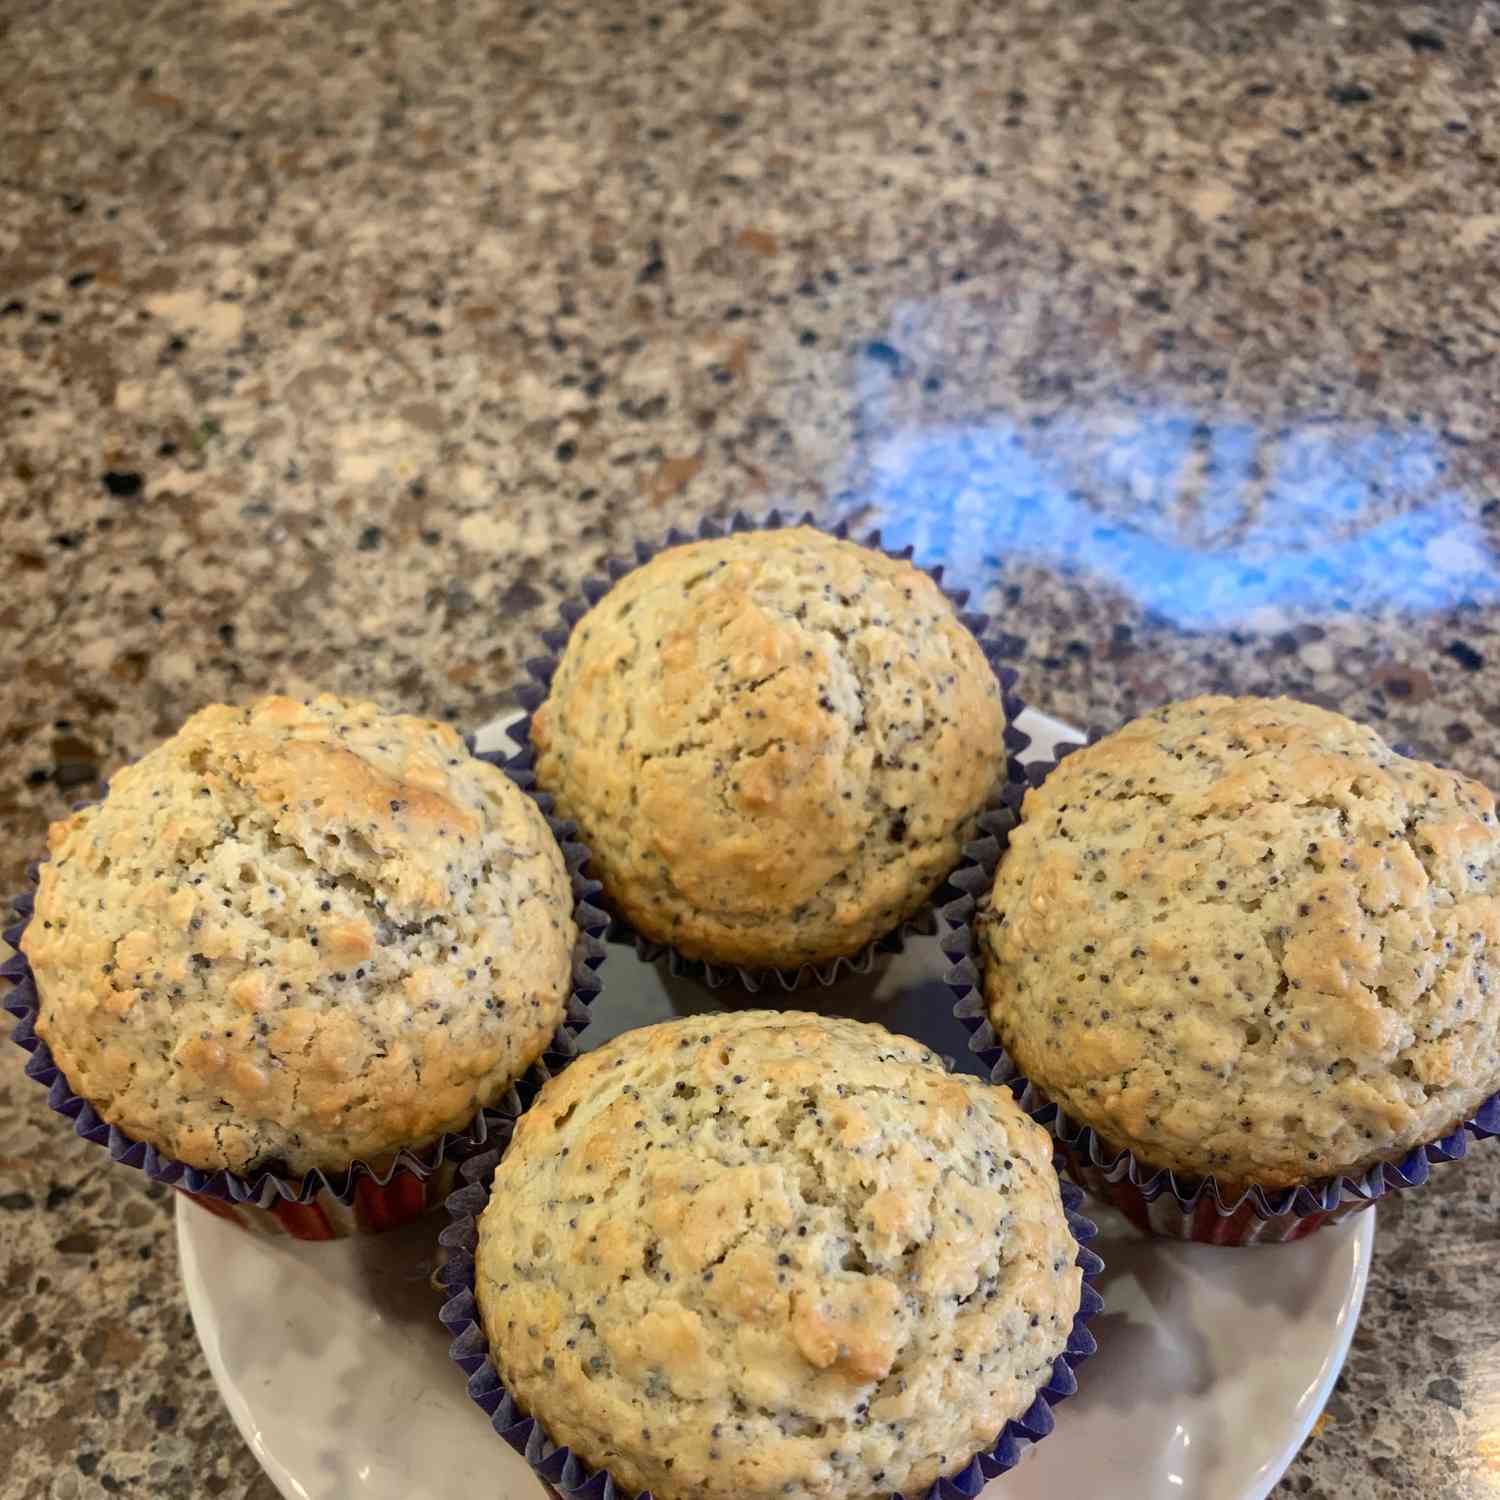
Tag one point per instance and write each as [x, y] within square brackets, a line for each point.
[775, 744]
[763, 1255]
[300, 932]
[1244, 936]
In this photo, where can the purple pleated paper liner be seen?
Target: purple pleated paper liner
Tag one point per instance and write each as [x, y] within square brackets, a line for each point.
[1159, 1201]
[993, 822]
[322, 1205]
[1179, 1206]
[563, 1470]
[974, 877]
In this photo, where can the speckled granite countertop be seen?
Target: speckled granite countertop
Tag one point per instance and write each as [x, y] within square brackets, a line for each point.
[337, 341]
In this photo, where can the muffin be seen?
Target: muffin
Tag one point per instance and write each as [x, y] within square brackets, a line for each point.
[775, 744]
[769, 1254]
[300, 935]
[1245, 938]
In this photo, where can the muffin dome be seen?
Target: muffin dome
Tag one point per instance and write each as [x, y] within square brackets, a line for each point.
[775, 744]
[1244, 936]
[302, 934]
[760, 1255]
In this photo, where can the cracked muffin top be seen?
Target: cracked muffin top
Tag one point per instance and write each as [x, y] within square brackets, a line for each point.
[775, 744]
[302, 934]
[1244, 936]
[775, 1256]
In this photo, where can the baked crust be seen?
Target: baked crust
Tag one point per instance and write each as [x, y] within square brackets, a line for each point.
[775, 744]
[1244, 936]
[307, 933]
[768, 1254]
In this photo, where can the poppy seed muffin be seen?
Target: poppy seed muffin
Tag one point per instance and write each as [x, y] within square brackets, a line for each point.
[775, 744]
[302, 934]
[1245, 937]
[770, 1254]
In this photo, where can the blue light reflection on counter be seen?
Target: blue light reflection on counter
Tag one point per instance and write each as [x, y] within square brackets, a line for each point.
[1202, 523]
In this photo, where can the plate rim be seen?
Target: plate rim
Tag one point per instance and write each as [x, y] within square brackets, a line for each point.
[1363, 1244]
[1360, 1244]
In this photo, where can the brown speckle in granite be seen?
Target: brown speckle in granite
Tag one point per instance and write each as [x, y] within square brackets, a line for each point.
[1155, 274]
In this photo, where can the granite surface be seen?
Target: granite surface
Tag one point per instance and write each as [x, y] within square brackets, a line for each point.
[337, 342]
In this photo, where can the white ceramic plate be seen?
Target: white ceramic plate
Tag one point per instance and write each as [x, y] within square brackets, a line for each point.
[1213, 1364]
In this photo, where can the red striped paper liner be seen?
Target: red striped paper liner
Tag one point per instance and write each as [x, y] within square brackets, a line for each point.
[1202, 1219]
[374, 1208]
